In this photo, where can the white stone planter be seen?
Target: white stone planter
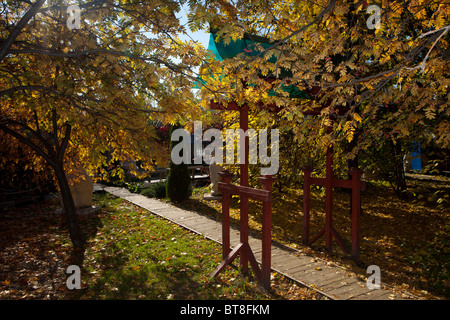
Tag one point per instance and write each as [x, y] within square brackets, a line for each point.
[81, 188]
[82, 192]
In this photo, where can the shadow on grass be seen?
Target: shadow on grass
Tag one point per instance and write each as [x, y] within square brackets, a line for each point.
[35, 250]
[89, 225]
[153, 281]
[170, 263]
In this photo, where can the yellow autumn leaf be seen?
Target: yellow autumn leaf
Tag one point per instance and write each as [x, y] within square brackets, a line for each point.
[357, 117]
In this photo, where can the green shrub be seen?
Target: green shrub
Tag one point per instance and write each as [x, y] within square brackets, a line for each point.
[160, 189]
[178, 180]
[155, 190]
[134, 187]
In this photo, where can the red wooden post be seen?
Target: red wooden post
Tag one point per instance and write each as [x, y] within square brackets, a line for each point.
[246, 254]
[243, 248]
[356, 206]
[306, 203]
[225, 175]
[243, 123]
[267, 182]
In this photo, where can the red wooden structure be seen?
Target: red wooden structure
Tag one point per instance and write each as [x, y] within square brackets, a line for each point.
[243, 248]
[329, 182]
[245, 192]
[265, 195]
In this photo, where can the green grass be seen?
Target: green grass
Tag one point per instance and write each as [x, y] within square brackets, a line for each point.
[132, 254]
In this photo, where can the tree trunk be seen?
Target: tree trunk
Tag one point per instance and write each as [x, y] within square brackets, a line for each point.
[76, 235]
[49, 148]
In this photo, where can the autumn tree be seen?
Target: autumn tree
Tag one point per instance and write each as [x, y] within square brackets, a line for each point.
[80, 82]
[355, 56]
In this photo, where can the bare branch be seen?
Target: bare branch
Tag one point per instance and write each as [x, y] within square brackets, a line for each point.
[433, 31]
[424, 61]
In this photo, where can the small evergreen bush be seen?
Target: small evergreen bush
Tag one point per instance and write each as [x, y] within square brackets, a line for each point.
[178, 180]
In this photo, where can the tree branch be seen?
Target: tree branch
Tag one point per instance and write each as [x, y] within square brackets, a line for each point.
[424, 61]
[37, 134]
[64, 143]
[55, 131]
[6, 44]
[28, 142]
[317, 19]
[23, 88]
[171, 66]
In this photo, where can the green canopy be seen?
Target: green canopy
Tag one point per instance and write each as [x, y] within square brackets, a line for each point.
[249, 45]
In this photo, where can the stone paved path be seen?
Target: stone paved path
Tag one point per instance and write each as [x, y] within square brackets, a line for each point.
[332, 281]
